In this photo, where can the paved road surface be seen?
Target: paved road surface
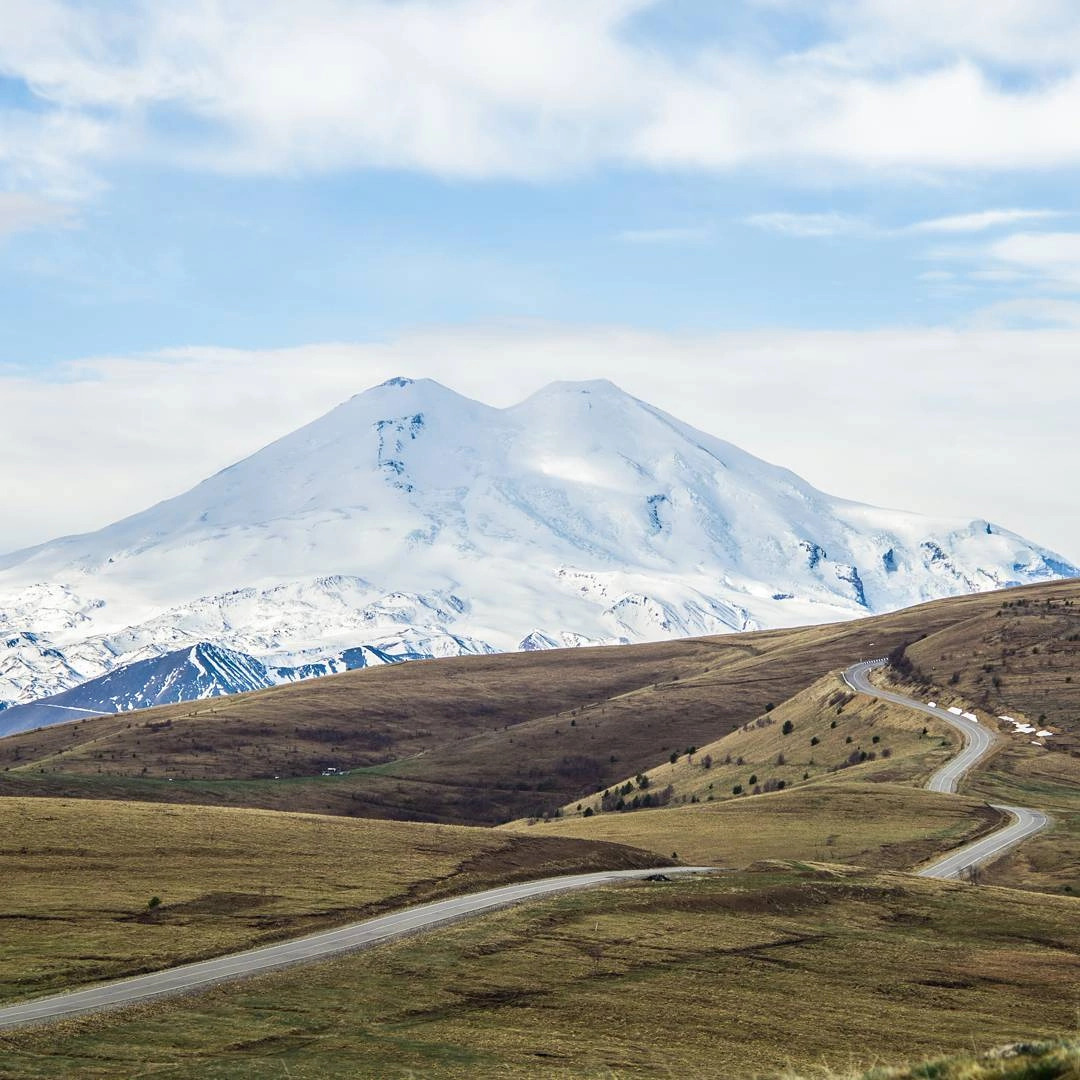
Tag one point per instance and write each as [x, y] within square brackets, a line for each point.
[179, 980]
[1025, 823]
[978, 742]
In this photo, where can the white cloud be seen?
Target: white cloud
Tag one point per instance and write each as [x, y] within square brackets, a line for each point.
[1054, 257]
[999, 275]
[981, 220]
[516, 88]
[810, 225]
[1007, 33]
[102, 441]
[1027, 312]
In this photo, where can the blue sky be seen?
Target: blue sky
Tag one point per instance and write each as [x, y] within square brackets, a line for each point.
[258, 175]
[165, 184]
[164, 259]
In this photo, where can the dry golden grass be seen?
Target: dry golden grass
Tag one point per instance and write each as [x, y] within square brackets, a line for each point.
[738, 976]
[878, 825]
[76, 878]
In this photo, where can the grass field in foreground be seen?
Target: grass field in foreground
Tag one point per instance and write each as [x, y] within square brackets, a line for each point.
[735, 975]
[878, 825]
[76, 878]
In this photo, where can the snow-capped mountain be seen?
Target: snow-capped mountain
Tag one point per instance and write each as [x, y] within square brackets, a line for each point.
[421, 523]
[203, 671]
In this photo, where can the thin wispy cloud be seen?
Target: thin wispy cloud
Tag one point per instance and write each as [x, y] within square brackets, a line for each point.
[834, 223]
[1025, 313]
[982, 220]
[1054, 258]
[999, 275]
[810, 225]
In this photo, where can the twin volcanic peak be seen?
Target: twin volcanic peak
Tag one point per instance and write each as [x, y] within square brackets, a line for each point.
[418, 522]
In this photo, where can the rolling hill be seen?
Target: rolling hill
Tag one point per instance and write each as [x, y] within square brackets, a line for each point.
[487, 739]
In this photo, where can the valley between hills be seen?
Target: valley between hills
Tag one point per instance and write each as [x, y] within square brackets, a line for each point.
[166, 836]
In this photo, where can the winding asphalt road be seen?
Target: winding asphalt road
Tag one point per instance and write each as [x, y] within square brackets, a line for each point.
[180, 980]
[978, 742]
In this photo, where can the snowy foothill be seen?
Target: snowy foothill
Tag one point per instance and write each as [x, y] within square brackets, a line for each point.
[414, 522]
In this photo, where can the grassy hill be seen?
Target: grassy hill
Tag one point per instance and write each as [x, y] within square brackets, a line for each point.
[824, 732]
[79, 877]
[799, 968]
[483, 739]
[877, 825]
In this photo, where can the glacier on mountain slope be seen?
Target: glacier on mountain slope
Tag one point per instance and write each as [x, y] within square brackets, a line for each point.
[419, 522]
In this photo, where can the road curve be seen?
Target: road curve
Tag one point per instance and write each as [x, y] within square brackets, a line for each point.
[1025, 823]
[978, 742]
[180, 980]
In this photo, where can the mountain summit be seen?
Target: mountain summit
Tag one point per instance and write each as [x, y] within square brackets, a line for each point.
[419, 522]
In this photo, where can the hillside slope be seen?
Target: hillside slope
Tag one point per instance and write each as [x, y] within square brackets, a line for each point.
[474, 739]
